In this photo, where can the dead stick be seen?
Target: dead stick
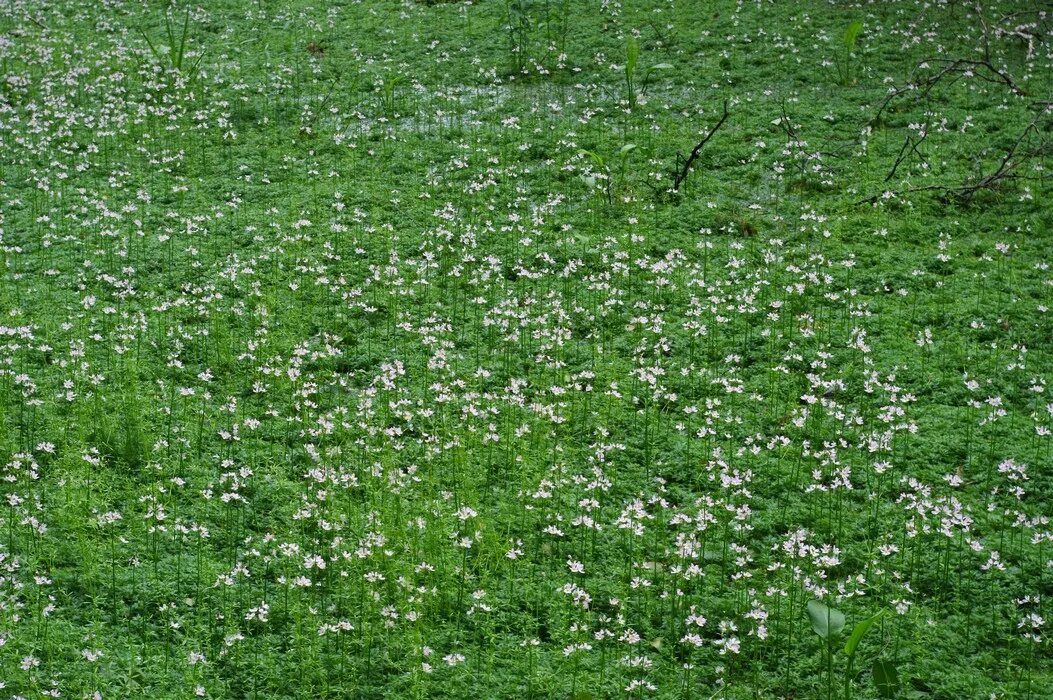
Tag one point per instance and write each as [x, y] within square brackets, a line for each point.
[682, 175]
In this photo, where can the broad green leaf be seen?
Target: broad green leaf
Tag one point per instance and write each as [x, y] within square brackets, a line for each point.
[632, 55]
[596, 158]
[852, 34]
[859, 630]
[886, 678]
[826, 621]
[626, 148]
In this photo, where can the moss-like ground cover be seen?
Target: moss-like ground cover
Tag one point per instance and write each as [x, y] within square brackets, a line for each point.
[470, 350]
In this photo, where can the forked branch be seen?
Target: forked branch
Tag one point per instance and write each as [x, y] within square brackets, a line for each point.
[951, 71]
[1018, 155]
[685, 168]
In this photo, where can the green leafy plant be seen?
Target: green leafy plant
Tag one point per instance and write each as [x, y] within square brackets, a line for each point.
[172, 55]
[849, 41]
[886, 678]
[388, 93]
[858, 632]
[826, 621]
[829, 623]
[605, 173]
[537, 30]
[632, 58]
[520, 28]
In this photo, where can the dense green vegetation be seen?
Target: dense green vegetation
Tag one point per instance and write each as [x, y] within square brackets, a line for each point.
[526, 349]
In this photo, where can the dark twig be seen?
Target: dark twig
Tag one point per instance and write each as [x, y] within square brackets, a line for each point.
[958, 68]
[1006, 170]
[1008, 165]
[685, 169]
[910, 145]
[1030, 31]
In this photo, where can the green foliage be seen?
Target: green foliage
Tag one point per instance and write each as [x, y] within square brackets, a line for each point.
[174, 54]
[632, 55]
[826, 621]
[886, 678]
[850, 38]
[852, 34]
[859, 631]
[632, 58]
[537, 33]
[388, 88]
[359, 358]
[612, 181]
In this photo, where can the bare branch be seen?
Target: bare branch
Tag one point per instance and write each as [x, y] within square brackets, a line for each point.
[685, 169]
[956, 68]
[1013, 159]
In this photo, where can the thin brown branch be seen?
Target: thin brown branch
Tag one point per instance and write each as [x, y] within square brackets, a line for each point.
[1012, 160]
[910, 145]
[959, 68]
[685, 169]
